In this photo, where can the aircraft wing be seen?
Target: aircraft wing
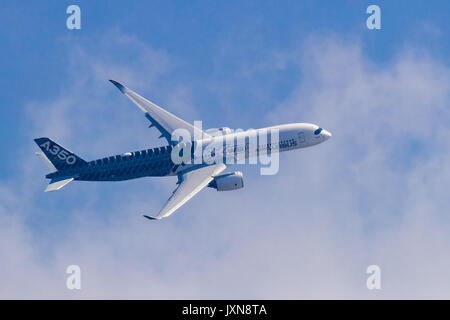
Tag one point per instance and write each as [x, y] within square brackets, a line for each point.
[191, 183]
[163, 120]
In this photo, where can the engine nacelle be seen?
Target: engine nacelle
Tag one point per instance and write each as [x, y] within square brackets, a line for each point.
[218, 131]
[228, 181]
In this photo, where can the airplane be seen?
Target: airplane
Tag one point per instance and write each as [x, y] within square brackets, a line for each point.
[66, 166]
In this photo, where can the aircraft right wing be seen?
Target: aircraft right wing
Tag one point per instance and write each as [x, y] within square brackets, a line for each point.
[191, 183]
[163, 120]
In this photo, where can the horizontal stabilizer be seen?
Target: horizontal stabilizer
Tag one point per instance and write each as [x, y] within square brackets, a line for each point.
[58, 183]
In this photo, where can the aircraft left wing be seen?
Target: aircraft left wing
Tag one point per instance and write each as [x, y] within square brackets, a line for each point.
[163, 120]
[191, 183]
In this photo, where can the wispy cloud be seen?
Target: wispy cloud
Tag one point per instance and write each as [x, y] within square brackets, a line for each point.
[374, 194]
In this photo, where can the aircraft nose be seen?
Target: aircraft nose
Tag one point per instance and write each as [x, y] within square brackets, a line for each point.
[326, 134]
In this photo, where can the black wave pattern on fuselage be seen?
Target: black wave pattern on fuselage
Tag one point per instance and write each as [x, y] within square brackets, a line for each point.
[154, 162]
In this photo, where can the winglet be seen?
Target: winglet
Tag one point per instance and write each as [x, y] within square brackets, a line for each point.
[150, 218]
[118, 85]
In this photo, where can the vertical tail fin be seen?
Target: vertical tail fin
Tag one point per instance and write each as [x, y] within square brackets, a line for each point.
[46, 161]
[59, 156]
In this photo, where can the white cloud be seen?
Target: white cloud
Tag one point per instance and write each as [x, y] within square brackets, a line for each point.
[376, 193]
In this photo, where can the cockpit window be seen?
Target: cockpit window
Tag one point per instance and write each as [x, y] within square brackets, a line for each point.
[318, 131]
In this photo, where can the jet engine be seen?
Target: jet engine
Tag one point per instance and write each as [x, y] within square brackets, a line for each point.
[218, 131]
[228, 181]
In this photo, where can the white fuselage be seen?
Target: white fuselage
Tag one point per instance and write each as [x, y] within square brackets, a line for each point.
[197, 157]
[234, 147]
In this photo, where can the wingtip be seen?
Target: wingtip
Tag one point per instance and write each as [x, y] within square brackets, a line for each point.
[118, 85]
[150, 217]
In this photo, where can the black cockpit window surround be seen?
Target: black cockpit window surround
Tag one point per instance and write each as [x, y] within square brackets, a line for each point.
[318, 131]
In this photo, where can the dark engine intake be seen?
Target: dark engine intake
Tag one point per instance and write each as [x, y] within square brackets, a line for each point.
[228, 181]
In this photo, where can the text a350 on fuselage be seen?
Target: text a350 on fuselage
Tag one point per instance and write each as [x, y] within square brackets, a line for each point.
[192, 177]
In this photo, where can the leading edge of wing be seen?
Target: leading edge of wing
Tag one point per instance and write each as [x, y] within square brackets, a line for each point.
[192, 182]
[163, 120]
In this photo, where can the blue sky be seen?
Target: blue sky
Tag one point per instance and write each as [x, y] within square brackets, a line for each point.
[383, 94]
[36, 42]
